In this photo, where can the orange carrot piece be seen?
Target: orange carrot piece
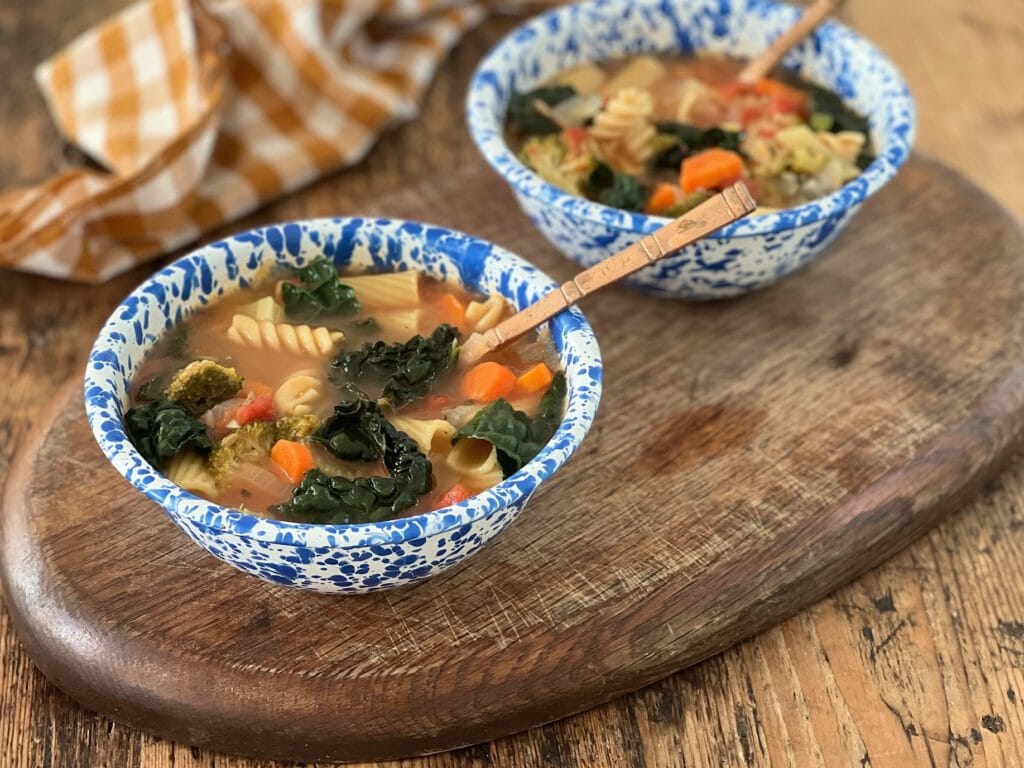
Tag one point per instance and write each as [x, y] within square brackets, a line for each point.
[486, 382]
[535, 379]
[451, 310]
[454, 495]
[294, 459]
[713, 168]
[257, 388]
[785, 98]
[664, 197]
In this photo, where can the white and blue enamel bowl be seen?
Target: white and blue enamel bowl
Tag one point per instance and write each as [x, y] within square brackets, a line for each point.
[334, 558]
[747, 254]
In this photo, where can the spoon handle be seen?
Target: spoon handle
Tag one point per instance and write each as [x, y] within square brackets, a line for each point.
[766, 61]
[725, 207]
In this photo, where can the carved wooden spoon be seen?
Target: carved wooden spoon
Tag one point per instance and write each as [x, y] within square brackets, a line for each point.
[764, 63]
[727, 206]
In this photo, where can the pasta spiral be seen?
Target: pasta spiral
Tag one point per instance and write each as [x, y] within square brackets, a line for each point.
[622, 134]
[188, 470]
[283, 337]
[298, 393]
[483, 316]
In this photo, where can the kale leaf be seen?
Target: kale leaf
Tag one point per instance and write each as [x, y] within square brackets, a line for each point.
[320, 292]
[689, 139]
[618, 190]
[160, 430]
[516, 436]
[358, 431]
[404, 371]
[523, 114]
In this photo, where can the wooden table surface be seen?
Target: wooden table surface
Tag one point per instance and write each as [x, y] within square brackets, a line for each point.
[918, 663]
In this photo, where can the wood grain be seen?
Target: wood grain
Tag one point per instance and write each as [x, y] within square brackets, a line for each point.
[918, 663]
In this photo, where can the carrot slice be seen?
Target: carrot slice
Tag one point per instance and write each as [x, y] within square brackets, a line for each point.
[488, 381]
[664, 197]
[451, 310]
[713, 168]
[535, 379]
[454, 495]
[257, 388]
[295, 459]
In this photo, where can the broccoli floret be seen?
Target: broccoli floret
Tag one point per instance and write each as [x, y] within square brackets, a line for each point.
[249, 443]
[297, 427]
[202, 384]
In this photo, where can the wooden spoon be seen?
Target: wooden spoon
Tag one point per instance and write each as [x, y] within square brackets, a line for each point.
[765, 63]
[725, 207]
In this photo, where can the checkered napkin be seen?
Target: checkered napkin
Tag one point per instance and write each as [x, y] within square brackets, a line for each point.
[200, 111]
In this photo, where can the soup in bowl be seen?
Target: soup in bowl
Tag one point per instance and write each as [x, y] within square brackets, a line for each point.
[606, 117]
[292, 398]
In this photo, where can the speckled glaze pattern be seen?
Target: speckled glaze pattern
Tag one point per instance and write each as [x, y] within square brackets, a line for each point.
[333, 558]
[747, 254]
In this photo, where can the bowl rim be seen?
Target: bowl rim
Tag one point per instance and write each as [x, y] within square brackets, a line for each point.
[582, 361]
[487, 132]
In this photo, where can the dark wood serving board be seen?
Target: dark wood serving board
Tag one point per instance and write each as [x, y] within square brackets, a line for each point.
[749, 457]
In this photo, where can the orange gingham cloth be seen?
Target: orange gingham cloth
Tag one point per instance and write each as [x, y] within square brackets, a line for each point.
[201, 111]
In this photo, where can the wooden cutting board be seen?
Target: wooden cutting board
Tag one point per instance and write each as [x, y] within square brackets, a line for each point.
[749, 457]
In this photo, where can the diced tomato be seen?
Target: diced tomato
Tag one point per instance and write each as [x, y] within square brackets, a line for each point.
[454, 495]
[260, 408]
[575, 137]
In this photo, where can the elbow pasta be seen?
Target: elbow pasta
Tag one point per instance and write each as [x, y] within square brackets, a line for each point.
[622, 133]
[188, 470]
[393, 290]
[429, 434]
[477, 462]
[298, 394]
[283, 337]
[482, 316]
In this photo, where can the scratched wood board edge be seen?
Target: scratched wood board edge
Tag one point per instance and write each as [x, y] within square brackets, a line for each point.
[946, 473]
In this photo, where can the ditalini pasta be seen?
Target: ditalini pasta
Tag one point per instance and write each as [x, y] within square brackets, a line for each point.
[660, 135]
[324, 398]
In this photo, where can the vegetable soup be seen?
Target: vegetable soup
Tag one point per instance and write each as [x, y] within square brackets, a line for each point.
[327, 399]
[661, 135]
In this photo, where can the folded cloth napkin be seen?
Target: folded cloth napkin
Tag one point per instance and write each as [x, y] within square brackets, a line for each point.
[201, 111]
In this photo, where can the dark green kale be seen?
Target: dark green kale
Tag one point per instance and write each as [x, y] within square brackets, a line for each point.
[319, 292]
[523, 114]
[160, 430]
[688, 139]
[822, 101]
[403, 371]
[358, 431]
[516, 436]
[618, 190]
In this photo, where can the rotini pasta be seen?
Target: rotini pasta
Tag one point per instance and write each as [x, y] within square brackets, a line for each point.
[477, 462]
[482, 316]
[622, 133]
[393, 290]
[266, 308]
[298, 394]
[429, 434]
[283, 337]
[188, 469]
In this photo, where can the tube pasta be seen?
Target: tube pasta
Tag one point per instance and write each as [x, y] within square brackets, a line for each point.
[404, 323]
[429, 434]
[188, 470]
[485, 315]
[393, 290]
[266, 308]
[298, 393]
[476, 461]
[283, 337]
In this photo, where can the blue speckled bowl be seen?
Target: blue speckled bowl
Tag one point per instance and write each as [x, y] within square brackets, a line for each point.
[334, 558]
[745, 255]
